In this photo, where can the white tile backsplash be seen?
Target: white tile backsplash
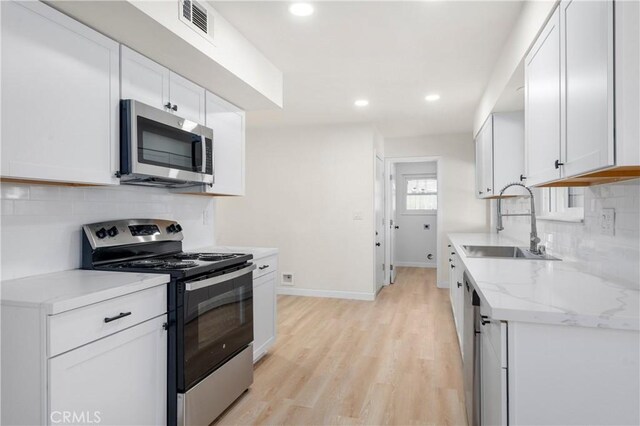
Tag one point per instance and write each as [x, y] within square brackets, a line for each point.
[616, 256]
[40, 224]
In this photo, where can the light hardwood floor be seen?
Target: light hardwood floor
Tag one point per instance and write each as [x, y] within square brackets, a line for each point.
[392, 361]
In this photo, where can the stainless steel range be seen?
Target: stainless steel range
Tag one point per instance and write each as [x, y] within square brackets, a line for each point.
[210, 311]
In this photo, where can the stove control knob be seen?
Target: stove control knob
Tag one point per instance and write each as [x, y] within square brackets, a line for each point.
[178, 227]
[171, 228]
[113, 231]
[101, 233]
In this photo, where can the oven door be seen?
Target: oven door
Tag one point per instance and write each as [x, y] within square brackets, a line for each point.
[217, 319]
[158, 144]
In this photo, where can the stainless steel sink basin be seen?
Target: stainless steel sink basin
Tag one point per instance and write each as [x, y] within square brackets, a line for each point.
[505, 252]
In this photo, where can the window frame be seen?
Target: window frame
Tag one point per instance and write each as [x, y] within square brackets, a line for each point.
[554, 205]
[405, 186]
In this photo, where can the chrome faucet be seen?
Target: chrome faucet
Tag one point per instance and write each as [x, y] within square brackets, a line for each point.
[533, 237]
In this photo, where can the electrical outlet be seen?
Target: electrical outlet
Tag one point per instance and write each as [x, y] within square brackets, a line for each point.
[287, 278]
[607, 221]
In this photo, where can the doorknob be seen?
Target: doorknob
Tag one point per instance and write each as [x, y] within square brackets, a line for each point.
[378, 244]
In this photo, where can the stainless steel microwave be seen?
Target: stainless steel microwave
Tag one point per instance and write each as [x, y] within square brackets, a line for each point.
[158, 148]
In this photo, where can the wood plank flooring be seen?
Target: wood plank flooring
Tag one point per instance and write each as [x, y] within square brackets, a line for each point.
[392, 361]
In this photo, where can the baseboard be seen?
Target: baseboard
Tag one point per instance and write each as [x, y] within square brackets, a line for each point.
[416, 264]
[334, 294]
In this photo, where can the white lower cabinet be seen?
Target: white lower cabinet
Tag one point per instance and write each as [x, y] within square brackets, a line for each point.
[105, 364]
[264, 305]
[456, 291]
[118, 380]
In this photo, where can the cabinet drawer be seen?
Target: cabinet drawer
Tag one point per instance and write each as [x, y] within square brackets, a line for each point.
[265, 265]
[77, 327]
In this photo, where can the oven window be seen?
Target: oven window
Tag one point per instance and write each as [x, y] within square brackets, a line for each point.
[166, 146]
[218, 323]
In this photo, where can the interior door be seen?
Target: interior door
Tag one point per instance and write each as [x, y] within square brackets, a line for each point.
[379, 225]
[392, 222]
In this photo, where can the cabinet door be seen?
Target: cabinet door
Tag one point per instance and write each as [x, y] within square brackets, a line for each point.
[587, 85]
[487, 157]
[60, 97]
[508, 149]
[460, 301]
[143, 79]
[187, 98]
[264, 314]
[493, 381]
[117, 380]
[484, 160]
[228, 125]
[542, 105]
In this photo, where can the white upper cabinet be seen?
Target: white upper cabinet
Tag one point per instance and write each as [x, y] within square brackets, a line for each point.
[187, 98]
[499, 153]
[582, 100]
[627, 82]
[586, 68]
[228, 125]
[484, 160]
[143, 79]
[542, 105]
[508, 149]
[60, 94]
[150, 83]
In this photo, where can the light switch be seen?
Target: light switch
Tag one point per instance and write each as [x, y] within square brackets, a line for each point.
[607, 221]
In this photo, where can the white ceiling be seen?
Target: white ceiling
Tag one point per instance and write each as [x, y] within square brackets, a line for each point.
[391, 53]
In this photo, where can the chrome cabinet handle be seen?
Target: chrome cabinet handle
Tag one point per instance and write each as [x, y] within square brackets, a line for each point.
[120, 315]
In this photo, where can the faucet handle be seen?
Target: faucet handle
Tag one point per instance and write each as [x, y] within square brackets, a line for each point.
[542, 249]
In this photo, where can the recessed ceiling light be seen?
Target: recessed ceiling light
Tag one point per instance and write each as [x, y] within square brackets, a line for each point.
[361, 103]
[431, 98]
[301, 9]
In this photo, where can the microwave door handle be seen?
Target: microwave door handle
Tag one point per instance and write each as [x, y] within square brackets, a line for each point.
[203, 144]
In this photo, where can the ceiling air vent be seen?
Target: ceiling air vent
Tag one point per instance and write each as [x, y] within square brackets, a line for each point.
[197, 17]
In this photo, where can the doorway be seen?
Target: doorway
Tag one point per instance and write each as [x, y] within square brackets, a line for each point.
[413, 203]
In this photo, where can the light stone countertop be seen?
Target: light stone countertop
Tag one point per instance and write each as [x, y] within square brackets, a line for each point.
[257, 252]
[551, 292]
[63, 291]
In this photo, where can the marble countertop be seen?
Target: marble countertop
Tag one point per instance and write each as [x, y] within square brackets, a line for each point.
[257, 252]
[552, 292]
[62, 291]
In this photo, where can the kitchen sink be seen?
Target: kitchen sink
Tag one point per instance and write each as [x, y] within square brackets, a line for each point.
[505, 252]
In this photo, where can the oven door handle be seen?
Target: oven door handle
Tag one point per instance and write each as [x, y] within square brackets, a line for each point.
[196, 285]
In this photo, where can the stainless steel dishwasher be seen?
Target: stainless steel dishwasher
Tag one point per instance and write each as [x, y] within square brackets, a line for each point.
[471, 351]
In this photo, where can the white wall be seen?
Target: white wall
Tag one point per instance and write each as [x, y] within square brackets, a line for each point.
[413, 242]
[616, 256]
[305, 187]
[530, 22]
[460, 210]
[41, 224]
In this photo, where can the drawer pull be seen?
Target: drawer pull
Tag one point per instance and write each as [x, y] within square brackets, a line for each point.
[263, 267]
[120, 315]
